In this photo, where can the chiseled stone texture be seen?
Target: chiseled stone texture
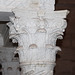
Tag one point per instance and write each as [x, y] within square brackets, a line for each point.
[1, 40]
[10, 5]
[10, 64]
[36, 27]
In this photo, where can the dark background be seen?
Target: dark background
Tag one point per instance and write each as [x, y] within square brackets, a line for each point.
[66, 58]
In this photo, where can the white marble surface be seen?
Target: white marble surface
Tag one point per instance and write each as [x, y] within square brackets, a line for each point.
[1, 40]
[36, 27]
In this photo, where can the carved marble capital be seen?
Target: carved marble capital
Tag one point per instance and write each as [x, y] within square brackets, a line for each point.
[36, 27]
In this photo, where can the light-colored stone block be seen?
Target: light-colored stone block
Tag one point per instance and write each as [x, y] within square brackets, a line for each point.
[1, 41]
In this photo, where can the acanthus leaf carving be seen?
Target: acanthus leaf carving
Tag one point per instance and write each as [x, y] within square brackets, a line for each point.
[36, 29]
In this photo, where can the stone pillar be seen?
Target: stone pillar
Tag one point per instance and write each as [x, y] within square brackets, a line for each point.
[36, 27]
[10, 65]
